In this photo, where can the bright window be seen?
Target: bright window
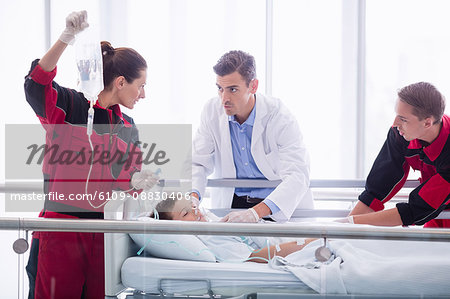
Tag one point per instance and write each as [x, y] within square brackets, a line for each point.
[308, 78]
[407, 42]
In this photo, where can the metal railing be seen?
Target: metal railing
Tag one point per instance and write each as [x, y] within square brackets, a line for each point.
[348, 196]
[332, 230]
[36, 185]
[281, 230]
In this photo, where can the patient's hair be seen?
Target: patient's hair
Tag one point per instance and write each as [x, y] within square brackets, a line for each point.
[165, 208]
[425, 99]
[239, 61]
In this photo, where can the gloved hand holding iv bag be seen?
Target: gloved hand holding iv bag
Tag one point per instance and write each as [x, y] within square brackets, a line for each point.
[75, 23]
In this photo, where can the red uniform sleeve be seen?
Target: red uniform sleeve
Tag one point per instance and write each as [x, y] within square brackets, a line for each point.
[52, 103]
[388, 174]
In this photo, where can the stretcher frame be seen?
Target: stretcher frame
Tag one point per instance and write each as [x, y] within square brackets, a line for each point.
[115, 284]
[118, 245]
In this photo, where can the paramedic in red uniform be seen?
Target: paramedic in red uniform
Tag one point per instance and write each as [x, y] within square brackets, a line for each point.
[71, 264]
[418, 139]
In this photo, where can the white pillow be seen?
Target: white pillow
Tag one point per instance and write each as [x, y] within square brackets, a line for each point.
[177, 247]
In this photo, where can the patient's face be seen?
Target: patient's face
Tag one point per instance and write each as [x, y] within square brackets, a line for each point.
[183, 210]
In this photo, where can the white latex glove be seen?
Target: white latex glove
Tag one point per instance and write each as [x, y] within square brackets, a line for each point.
[195, 202]
[248, 216]
[144, 179]
[75, 23]
[349, 219]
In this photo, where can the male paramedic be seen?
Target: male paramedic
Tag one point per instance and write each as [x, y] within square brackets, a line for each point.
[246, 135]
[418, 139]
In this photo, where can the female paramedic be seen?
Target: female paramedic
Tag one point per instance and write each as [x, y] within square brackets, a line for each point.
[82, 169]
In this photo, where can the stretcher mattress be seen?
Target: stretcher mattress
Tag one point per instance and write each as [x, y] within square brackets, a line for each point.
[400, 268]
[189, 277]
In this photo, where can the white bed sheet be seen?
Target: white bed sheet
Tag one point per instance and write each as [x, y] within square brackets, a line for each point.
[372, 267]
[429, 268]
[230, 279]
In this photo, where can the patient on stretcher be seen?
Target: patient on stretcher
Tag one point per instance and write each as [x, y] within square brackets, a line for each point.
[229, 248]
[349, 270]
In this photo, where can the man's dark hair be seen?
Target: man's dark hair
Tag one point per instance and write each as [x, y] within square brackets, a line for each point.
[425, 99]
[239, 61]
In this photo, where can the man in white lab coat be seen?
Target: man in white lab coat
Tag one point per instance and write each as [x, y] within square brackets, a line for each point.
[246, 135]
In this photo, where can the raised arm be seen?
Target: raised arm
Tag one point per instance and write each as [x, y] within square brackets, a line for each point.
[75, 23]
[50, 59]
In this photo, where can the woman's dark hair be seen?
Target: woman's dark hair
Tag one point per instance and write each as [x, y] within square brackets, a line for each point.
[121, 62]
[239, 61]
[425, 99]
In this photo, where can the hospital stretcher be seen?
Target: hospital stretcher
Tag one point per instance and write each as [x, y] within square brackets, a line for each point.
[149, 281]
[162, 278]
[152, 277]
[148, 277]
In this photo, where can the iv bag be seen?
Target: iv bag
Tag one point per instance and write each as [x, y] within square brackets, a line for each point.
[88, 55]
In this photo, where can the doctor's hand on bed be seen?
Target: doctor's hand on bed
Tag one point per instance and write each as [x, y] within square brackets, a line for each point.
[247, 216]
[144, 179]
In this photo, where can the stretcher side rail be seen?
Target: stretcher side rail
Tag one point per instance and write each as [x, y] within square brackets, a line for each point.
[29, 186]
[294, 230]
[317, 183]
[319, 213]
[36, 185]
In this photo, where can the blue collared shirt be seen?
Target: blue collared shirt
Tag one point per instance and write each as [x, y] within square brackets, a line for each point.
[246, 168]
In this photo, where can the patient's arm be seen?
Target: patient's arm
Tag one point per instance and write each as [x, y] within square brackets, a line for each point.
[261, 256]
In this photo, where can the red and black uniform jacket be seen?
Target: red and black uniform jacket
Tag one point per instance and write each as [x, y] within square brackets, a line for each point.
[390, 171]
[63, 113]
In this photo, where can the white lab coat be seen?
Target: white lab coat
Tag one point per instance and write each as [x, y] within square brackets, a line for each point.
[277, 148]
